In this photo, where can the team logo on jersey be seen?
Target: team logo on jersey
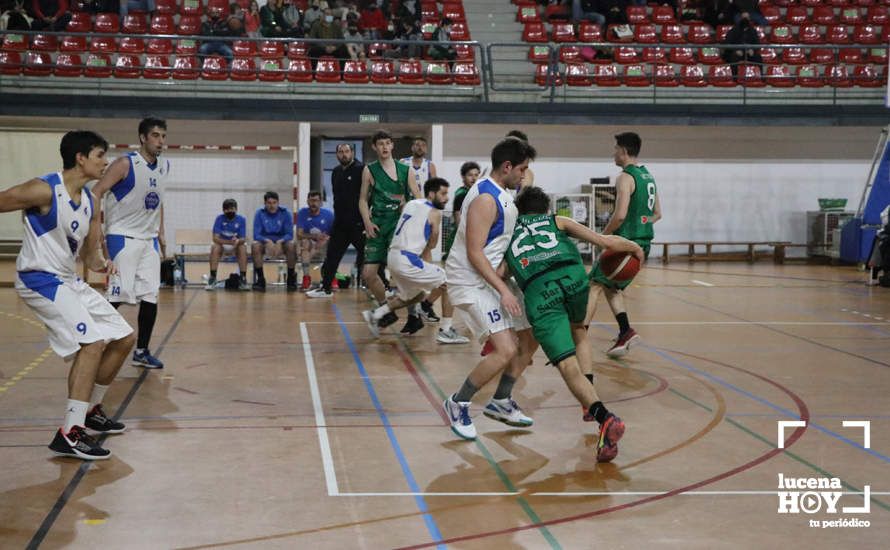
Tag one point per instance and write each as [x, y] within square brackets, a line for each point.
[152, 201]
[644, 219]
[524, 262]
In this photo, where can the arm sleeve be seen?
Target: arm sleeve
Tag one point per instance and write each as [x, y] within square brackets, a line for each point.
[217, 226]
[258, 234]
[288, 225]
[242, 228]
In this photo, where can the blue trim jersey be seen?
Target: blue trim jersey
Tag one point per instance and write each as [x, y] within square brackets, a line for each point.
[414, 228]
[458, 267]
[133, 205]
[273, 227]
[320, 223]
[227, 229]
[52, 241]
[421, 174]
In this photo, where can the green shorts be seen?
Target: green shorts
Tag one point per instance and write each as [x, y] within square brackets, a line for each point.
[553, 302]
[377, 248]
[598, 277]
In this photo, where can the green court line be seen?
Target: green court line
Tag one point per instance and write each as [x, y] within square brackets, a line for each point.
[788, 453]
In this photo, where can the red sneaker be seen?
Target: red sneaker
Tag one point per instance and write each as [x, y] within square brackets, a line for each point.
[307, 282]
[335, 285]
[622, 344]
[610, 432]
[487, 348]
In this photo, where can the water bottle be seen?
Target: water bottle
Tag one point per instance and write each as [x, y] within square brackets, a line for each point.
[177, 275]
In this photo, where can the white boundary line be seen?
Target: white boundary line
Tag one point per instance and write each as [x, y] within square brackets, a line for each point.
[587, 494]
[702, 283]
[694, 323]
[330, 474]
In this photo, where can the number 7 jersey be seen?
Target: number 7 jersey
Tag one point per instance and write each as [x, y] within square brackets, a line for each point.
[538, 247]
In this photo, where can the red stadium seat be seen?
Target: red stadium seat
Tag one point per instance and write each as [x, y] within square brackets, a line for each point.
[165, 7]
[666, 76]
[44, 43]
[543, 76]
[645, 34]
[14, 43]
[80, 22]
[563, 32]
[528, 14]
[627, 55]
[794, 56]
[837, 34]
[297, 50]
[327, 70]
[75, 44]
[770, 56]
[243, 69]
[244, 48]
[534, 32]
[589, 32]
[867, 34]
[808, 76]
[187, 46]
[771, 13]
[606, 75]
[127, 66]
[466, 74]
[156, 67]
[410, 72]
[162, 24]
[68, 64]
[189, 25]
[577, 74]
[98, 65]
[850, 56]
[672, 34]
[779, 76]
[131, 45]
[700, 33]
[781, 34]
[273, 50]
[10, 62]
[107, 22]
[191, 7]
[722, 31]
[710, 56]
[681, 56]
[38, 64]
[877, 56]
[653, 55]
[103, 44]
[134, 23]
[464, 52]
[186, 67]
[162, 46]
[218, 6]
[837, 76]
[438, 72]
[821, 55]
[823, 15]
[459, 31]
[454, 11]
[635, 75]
[809, 33]
[636, 14]
[795, 15]
[383, 72]
[721, 76]
[877, 15]
[867, 77]
[539, 54]
[850, 16]
[355, 72]
[271, 70]
[569, 54]
[692, 76]
[299, 70]
[663, 15]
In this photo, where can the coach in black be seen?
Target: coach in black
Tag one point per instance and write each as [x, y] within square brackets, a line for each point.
[346, 182]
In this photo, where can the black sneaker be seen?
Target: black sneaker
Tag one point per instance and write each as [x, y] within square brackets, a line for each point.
[427, 313]
[387, 320]
[292, 283]
[98, 421]
[78, 444]
[412, 325]
[260, 286]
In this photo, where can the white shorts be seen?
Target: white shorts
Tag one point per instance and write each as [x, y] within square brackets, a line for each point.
[73, 312]
[139, 269]
[412, 275]
[230, 249]
[484, 314]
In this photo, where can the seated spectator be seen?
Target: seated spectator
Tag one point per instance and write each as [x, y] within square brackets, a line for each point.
[372, 21]
[272, 21]
[229, 238]
[273, 237]
[293, 18]
[127, 6]
[235, 20]
[407, 31]
[442, 52]
[314, 12]
[216, 25]
[50, 15]
[744, 34]
[717, 12]
[587, 10]
[252, 20]
[327, 28]
[314, 225]
[14, 16]
[348, 14]
[879, 260]
[356, 48]
[747, 9]
[613, 11]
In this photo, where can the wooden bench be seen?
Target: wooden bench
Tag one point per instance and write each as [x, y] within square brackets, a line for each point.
[750, 255]
[9, 248]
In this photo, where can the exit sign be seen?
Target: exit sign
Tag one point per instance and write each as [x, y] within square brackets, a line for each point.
[369, 119]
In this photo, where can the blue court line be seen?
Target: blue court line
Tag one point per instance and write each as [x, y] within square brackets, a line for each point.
[397, 449]
[857, 416]
[756, 398]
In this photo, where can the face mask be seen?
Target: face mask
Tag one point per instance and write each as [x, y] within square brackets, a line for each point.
[329, 18]
[229, 215]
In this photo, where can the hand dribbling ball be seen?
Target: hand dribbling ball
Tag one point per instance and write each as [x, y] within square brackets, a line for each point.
[619, 266]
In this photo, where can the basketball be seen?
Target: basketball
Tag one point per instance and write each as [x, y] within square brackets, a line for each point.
[235, 24]
[619, 266]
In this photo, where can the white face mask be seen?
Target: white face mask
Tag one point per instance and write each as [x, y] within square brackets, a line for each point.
[329, 18]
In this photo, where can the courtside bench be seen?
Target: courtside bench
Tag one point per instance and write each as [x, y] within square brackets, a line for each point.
[779, 249]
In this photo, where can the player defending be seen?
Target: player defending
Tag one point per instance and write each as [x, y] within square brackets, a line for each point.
[410, 255]
[385, 188]
[547, 267]
[636, 211]
[134, 230]
[61, 221]
[486, 226]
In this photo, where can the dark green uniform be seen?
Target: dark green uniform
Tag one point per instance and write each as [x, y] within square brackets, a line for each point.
[548, 268]
[385, 199]
[638, 224]
[456, 206]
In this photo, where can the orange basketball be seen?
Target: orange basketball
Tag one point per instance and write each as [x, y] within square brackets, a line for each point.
[235, 24]
[619, 266]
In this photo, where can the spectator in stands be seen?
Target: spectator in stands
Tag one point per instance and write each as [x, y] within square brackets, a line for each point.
[747, 9]
[14, 16]
[51, 15]
[314, 225]
[326, 28]
[235, 20]
[587, 10]
[229, 238]
[314, 12]
[252, 20]
[136, 5]
[293, 19]
[272, 21]
[372, 21]
[216, 25]
[743, 34]
[356, 48]
[717, 12]
[273, 237]
[407, 31]
[614, 11]
[349, 14]
[879, 260]
[442, 52]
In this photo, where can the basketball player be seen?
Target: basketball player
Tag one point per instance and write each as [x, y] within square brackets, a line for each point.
[636, 211]
[547, 267]
[61, 222]
[492, 311]
[410, 254]
[528, 179]
[134, 230]
[385, 188]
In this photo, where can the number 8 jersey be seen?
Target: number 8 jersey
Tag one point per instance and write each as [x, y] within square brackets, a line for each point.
[638, 224]
[539, 247]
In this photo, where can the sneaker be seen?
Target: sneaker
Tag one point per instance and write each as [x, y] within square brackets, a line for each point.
[211, 284]
[78, 444]
[459, 415]
[242, 285]
[307, 282]
[259, 286]
[412, 325]
[373, 327]
[145, 359]
[292, 282]
[451, 336]
[387, 320]
[98, 421]
[622, 344]
[487, 348]
[319, 293]
[335, 285]
[508, 412]
[427, 313]
[610, 432]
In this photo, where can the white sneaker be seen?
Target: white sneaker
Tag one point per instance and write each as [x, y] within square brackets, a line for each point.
[372, 322]
[319, 293]
[451, 336]
[210, 285]
[459, 414]
[508, 412]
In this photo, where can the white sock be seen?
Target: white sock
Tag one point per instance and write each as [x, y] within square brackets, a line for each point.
[98, 394]
[445, 324]
[381, 311]
[76, 414]
[414, 310]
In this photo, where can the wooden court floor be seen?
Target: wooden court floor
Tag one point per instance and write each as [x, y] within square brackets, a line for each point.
[280, 423]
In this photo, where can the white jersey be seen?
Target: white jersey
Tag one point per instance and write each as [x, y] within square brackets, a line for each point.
[414, 228]
[133, 205]
[52, 241]
[458, 267]
[421, 174]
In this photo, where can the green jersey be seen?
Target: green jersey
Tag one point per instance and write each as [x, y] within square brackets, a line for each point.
[539, 246]
[638, 224]
[388, 195]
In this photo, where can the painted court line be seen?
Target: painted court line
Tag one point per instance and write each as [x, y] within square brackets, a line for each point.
[699, 323]
[330, 474]
[591, 493]
[702, 283]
